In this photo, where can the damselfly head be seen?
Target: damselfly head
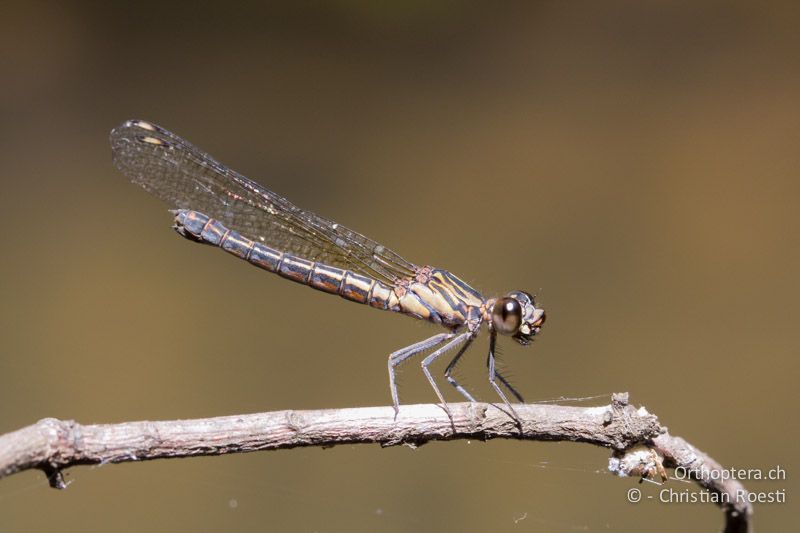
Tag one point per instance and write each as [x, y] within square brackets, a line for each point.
[516, 315]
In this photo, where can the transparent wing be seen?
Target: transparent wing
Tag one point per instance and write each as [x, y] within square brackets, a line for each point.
[188, 178]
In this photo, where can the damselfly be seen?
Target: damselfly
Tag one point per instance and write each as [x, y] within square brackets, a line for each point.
[217, 206]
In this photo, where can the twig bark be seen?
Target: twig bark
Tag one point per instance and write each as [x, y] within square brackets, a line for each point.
[679, 453]
[53, 445]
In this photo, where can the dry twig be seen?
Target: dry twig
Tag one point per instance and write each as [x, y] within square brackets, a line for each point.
[53, 445]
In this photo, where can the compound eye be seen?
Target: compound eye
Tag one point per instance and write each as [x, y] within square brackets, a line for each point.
[507, 316]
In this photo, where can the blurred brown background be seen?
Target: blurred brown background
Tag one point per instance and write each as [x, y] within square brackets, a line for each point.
[635, 164]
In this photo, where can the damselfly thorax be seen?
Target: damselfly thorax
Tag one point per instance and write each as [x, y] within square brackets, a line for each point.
[217, 206]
